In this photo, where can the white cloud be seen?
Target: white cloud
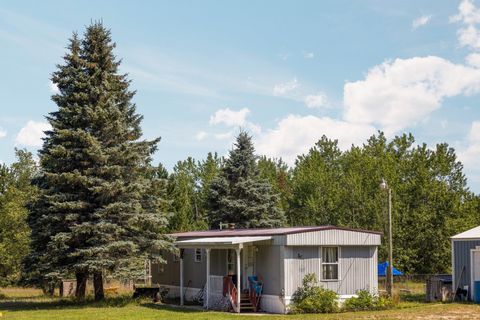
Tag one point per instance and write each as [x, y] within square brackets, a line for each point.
[3, 133]
[53, 87]
[284, 88]
[309, 55]
[473, 59]
[201, 135]
[421, 21]
[230, 117]
[32, 133]
[296, 134]
[316, 101]
[474, 135]
[469, 16]
[397, 94]
[224, 136]
[469, 37]
[470, 157]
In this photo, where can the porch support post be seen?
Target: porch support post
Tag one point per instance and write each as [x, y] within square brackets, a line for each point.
[181, 277]
[207, 284]
[239, 289]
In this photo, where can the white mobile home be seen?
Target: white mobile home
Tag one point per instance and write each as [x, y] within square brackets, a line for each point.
[266, 266]
[466, 261]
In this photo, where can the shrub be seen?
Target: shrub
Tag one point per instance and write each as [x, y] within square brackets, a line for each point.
[367, 301]
[310, 298]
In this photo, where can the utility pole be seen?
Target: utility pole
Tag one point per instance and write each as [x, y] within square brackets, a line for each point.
[384, 186]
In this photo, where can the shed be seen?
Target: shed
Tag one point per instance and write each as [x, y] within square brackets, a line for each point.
[260, 269]
[466, 262]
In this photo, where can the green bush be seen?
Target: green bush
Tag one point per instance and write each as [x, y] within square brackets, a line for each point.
[367, 301]
[310, 298]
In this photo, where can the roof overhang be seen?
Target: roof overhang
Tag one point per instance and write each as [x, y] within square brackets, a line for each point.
[220, 242]
[472, 234]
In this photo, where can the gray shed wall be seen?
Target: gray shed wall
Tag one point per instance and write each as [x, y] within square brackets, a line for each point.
[461, 258]
[357, 268]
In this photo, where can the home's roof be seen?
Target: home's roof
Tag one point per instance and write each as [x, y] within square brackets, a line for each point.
[469, 234]
[215, 241]
[260, 232]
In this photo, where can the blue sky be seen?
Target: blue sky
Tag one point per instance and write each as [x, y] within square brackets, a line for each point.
[287, 71]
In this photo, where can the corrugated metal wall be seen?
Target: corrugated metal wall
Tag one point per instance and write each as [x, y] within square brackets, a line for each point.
[333, 237]
[357, 268]
[268, 266]
[461, 254]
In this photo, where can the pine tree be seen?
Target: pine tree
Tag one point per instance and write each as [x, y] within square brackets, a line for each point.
[238, 195]
[96, 172]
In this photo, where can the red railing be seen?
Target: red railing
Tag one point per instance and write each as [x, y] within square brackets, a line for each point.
[230, 291]
[253, 295]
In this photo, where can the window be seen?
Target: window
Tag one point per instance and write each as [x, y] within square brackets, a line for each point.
[198, 255]
[231, 257]
[329, 263]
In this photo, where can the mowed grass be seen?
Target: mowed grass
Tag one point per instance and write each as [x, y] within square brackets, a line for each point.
[31, 304]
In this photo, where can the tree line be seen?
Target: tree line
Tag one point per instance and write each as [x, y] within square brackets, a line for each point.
[95, 205]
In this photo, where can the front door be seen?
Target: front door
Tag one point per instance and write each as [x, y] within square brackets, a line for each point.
[248, 262]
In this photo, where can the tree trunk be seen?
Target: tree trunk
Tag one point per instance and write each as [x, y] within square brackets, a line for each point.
[81, 285]
[49, 289]
[98, 286]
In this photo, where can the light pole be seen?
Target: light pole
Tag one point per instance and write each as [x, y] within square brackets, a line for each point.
[384, 186]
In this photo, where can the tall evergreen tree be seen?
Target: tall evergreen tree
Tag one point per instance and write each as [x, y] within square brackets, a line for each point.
[95, 172]
[238, 195]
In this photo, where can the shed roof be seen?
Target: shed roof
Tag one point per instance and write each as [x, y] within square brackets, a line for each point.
[261, 232]
[473, 233]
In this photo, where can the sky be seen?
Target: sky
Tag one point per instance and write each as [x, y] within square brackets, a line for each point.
[288, 72]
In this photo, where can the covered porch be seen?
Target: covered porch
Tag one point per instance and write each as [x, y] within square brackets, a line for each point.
[233, 284]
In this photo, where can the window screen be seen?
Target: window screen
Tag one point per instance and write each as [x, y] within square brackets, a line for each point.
[330, 263]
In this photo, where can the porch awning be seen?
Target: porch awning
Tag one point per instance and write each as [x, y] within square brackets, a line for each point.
[219, 242]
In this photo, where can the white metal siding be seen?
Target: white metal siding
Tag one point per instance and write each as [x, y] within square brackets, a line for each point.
[357, 269]
[333, 237]
[296, 268]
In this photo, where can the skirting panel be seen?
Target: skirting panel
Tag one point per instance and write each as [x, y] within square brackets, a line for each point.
[273, 304]
[174, 292]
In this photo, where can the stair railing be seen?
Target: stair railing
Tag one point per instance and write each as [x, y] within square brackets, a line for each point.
[230, 291]
[255, 291]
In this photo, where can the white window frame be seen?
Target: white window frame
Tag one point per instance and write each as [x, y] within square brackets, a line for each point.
[198, 254]
[330, 263]
[233, 262]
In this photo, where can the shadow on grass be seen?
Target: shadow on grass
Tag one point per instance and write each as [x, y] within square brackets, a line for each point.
[43, 303]
[171, 308]
[412, 297]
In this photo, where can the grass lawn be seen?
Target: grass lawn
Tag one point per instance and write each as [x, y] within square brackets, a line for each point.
[31, 304]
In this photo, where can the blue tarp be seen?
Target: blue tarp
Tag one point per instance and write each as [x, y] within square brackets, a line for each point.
[382, 270]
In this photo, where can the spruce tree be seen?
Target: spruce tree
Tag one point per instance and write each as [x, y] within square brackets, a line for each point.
[237, 195]
[96, 172]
